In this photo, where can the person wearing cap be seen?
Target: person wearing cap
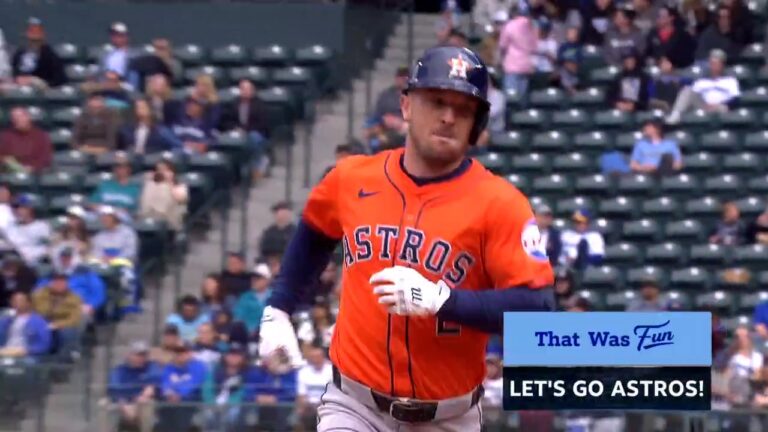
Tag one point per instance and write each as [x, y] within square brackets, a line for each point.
[250, 305]
[95, 130]
[63, 309]
[37, 64]
[649, 300]
[719, 35]
[28, 235]
[654, 152]
[629, 90]
[312, 379]
[582, 246]
[227, 386]
[82, 280]
[385, 128]
[622, 35]
[73, 234]
[274, 239]
[545, 56]
[274, 390]
[182, 382]
[132, 386]
[120, 190]
[169, 340]
[550, 235]
[118, 58]
[23, 333]
[24, 147]
[569, 56]
[715, 92]
[115, 239]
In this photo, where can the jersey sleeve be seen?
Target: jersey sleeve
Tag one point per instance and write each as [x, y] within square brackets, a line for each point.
[513, 252]
[322, 209]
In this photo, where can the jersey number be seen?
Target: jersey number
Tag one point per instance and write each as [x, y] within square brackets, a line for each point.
[447, 328]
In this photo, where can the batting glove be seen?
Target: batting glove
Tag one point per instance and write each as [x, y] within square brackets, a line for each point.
[277, 334]
[406, 292]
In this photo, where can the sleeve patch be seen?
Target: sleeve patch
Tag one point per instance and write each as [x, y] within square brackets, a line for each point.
[533, 246]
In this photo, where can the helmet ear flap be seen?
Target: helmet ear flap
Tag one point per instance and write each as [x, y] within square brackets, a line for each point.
[481, 121]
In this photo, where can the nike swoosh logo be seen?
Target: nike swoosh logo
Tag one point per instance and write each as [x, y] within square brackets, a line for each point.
[363, 194]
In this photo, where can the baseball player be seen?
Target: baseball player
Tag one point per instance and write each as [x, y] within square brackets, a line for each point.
[435, 249]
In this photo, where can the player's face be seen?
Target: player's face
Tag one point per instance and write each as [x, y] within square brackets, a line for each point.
[440, 122]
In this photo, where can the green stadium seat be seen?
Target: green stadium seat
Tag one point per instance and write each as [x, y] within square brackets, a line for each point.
[592, 98]
[73, 158]
[708, 254]
[272, 55]
[753, 54]
[495, 162]
[743, 74]
[318, 58]
[720, 301]
[95, 52]
[636, 185]
[65, 95]
[509, 141]
[753, 256]
[676, 299]
[520, 182]
[619, 207]
[755, 98]
[663, 207]
[190, 54]
[619, 301]
[748, 302]
[641, 117]
[229, 55]
[602, 277]
[751, 206]
[762, 76]
[59, 182]
[684, 139]
[721, 141]
[149, 161]
[704, 207]
[280, 111]
[612, 119]
[622, 254]
[757, 142]
[79, 72]
[536, 201]
[65, 117]
[199, 186]
[235, 144]
[603, 76]
[38, 202]
[256, 74]
[595, 298]
[667, 254]
[152, 238]
[553, 185]
[93, 180]
[685, 231]
[573, 118]
[214, 164]
[553, 141]
[567, 206]
[679, 185]
[529, 119]
[724, 280]
[743, 162]
[625, 141]
[644, 230]
[550, 98]
[693, 278]
[605, 227]
[20, 182]
[61, 138]
[215, 72]
[229, 94]
[762, 279]
[701, 162]
[592, 57]
[723, 185]
[60, 203]
[693, 72]
[38, 115]
[594, 184]
[107, 161]
[20, 95]
[530, 163]
[758, 184]
[68, 52]
[698, 120]
[573, 163]
[513, 99]
[640, 275]
[595, 142]
[733, 323]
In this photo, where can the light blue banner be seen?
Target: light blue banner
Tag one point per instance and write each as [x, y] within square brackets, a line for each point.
[607, 339]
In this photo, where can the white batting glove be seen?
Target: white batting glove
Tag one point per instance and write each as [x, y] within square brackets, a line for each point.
[275, 334]
[406, 292]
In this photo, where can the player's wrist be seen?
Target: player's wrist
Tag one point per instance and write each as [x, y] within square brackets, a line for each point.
[272, 313]
[443, 294]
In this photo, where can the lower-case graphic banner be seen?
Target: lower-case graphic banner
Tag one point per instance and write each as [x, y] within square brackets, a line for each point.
[607, 388]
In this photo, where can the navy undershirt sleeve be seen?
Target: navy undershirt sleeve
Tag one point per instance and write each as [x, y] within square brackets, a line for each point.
[307, 255]
[484, 310]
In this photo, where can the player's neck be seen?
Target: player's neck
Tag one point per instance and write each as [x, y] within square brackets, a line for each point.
[419, 168]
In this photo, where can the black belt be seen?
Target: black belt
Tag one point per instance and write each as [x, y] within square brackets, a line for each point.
[405, 410]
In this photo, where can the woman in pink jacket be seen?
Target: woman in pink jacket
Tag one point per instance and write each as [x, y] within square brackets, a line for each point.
[517, 44]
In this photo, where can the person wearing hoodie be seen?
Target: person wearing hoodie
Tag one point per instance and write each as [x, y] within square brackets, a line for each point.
[227, 387]
[182, 381]
[596, 17]
[250, 306]
[622, 35]
[24, 333]
[82, 280]
[629, 91]
[132, 385]
[115, 239]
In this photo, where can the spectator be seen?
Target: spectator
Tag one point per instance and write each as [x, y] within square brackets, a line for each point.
[545, 56]
[164, 51]
[235, 279]
[275, 238]
[517, 44]
[121, 191]
[15, 276]
[493, 382]
[6, 210]
[24, 147]
[646, 12]
[744, 366]
[457, 38]
[489, 46]
[188, 318]
[498, 110]
[629, 91]
[730, 230]
[225, 326]
[163, 197]
[250, 306]
[204, 91]
[227, 387]
[742, 22]
[5, 66]
[565, 283]
[117, 94]
[714, 93]
[182, 382]
[37, 64]
[115, 239]
[28, 235]
[343, 151]
[318, 330]
[152, 63]
[72, 235]
[312, 380]
[568, 75]
[24, 333]
[248, 115]
[386, 127]
[160, 98]
[212, 295]
[485, 12]
[665, 86]
[550, 236]
[579, 304]
[582, 246]
[95, 131]
[669, 39]
[325, 285]
[623, 36]
[132, 387]
[719, 35]
[697, 16]
[596, 17]
[82, 280]
[207, 348]
[654, 153]
[63, 309]
[274, 391]
[192, 129]
[165, 353]
[757, 232]
[143, 135]
[118, 58]
[649, 300]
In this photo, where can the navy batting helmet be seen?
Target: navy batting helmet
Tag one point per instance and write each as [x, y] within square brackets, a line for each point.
[457, 69]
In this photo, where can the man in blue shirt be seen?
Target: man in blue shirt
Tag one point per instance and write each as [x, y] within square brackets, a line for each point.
[188, 318]
[654, 152]
[134, 383]
[274, 389]
[182, 382]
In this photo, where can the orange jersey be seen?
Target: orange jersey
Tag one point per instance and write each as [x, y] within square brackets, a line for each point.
[475, 231]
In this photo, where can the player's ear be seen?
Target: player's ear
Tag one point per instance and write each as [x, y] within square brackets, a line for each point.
[405, 106]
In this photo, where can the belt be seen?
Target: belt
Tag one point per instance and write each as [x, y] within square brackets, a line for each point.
[408, 410]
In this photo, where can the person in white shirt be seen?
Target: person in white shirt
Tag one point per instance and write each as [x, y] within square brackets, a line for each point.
[581, 245]
[7, 218]
[545, 56]
[311, 382]
[716, 92]
[118, 58]
[28, 236]
[5, 65]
